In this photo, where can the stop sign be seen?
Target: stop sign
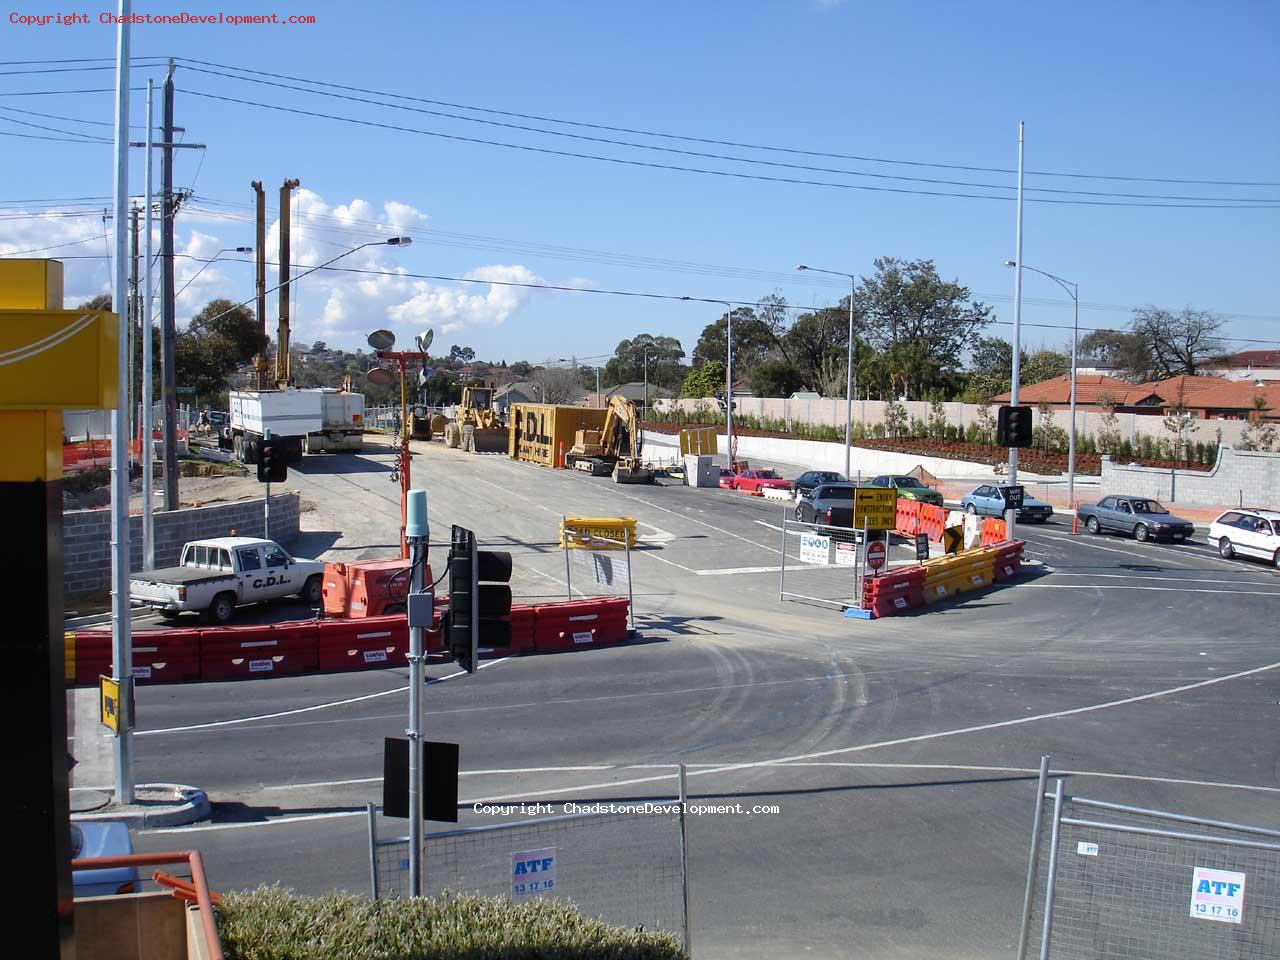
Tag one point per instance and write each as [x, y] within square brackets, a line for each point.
[875, 554]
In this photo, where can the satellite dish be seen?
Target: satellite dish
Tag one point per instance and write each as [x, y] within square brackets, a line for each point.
[382, 339]
[424, 340]
[381, 376]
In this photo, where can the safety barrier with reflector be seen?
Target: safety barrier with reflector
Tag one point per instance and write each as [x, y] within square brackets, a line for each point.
[329, 645]
[940, 578]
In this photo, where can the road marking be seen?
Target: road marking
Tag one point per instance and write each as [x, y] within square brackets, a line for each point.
[1089, 541]
[729, 571]
[1134, 576]
[691, 519]
[1129, 586]
[318, 706]
[658, 536]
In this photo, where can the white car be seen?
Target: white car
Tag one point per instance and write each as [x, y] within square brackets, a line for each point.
[1248, 533]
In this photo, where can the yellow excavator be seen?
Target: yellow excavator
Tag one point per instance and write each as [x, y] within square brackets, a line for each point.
[476, 411]
[613, 449]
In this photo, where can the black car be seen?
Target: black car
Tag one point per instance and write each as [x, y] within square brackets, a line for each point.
[805, 483]
[827, 503]
[1139, 517]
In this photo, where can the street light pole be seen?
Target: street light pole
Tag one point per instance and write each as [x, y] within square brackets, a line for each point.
[208, 263]
[1011, 516]
[848, 372]
[1073, 289]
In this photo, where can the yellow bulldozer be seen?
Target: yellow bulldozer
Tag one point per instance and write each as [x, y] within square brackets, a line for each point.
[613, 449]
[476, 424]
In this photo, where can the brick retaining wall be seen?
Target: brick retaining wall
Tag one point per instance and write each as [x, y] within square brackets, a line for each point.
[87, 536]
[1246, 477]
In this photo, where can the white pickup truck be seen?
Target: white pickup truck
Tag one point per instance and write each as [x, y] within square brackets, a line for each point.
[215, 576]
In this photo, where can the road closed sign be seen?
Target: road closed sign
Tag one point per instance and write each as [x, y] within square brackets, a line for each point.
[533, 872]
[1217, 895]
[875, 554]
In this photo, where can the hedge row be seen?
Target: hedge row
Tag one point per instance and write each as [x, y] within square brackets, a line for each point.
[271, 923]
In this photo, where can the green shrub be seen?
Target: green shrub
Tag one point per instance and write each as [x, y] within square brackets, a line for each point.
[271, 923]
[953, 432]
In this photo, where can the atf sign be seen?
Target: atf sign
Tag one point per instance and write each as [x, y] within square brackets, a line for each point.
[533, 871]
[875, 507]
[1217, 895]
[815, 548]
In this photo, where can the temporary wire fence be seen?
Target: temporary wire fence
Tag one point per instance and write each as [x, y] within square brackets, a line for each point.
[820, 563]
[623, 862]
[598, 566]
[1107, 880]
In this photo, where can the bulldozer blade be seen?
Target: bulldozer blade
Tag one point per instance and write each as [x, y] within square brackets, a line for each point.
[491, 440]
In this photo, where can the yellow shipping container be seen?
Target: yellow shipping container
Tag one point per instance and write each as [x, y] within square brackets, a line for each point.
[540, 432]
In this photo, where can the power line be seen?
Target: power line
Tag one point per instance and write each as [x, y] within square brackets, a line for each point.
[54, 116]
[725, 143]
[704, 170]
[50, 93]
[109, 66]
[53, 246]
[735, 159]
[88, 138]
[37, 136]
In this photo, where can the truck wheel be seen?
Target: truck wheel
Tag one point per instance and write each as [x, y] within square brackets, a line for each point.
[312, 591]
[222, 610]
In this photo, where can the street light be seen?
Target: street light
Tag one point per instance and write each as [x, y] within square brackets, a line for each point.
[209, 263]
[728, 407]
[1074, 289]
[848, 386]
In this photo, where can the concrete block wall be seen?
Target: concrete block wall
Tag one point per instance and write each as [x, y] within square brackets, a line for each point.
[87, 536]
[1247, 477]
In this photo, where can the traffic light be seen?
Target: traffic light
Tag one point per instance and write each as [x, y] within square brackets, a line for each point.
[273, 461]
[483, 575]
[1013, 427]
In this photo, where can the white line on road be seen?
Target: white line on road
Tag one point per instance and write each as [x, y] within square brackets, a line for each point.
[1134, 576]
[1130, 586]
[318, 706]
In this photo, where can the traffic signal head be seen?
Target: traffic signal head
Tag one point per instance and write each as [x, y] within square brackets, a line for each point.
[1013, 426]
[479, 599]
[273, 461]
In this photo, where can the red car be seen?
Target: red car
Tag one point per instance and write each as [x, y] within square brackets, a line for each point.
[755, 481]
[726, 479]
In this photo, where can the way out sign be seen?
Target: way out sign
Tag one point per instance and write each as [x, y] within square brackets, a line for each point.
[533, 872]
[1217, 895]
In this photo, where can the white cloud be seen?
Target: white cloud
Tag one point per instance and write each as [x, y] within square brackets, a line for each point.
[450, 309]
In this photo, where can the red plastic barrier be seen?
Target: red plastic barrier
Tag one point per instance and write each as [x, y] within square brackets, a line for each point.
[230, 653]
[908, 517]
[890, 604]
[993, 531]
[363, 644]
[566, 626]
[159, 656]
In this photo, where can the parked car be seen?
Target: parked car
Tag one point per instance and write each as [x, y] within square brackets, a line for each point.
[726, 478]
[909, 488]
[1140, 517]
[214, 576]
[828, 503]
[1248, 533]
[754, 481]
[102, 838]
[805, 483]
[987, 501]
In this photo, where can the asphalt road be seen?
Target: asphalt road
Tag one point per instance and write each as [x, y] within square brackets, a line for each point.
[900, 753]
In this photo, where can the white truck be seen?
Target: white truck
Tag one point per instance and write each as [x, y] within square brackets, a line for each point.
[215, 576]
[343, 422]
[289, 414]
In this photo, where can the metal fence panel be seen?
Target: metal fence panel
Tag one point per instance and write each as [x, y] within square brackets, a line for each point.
[1123, 886]
[623, 867]
[602, 572]
[820, 564]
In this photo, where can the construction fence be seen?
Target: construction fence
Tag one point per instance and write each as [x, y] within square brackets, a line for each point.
[624, 862]
[1107, 880]
[822, 564]
[597, 558]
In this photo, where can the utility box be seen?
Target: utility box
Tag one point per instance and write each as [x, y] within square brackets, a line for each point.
[701, 471]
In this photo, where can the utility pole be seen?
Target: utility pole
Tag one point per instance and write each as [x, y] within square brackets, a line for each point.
[135, 319]
[282, 332]
[168, 321]
[260, 361]
[148, 447]
[121, 625]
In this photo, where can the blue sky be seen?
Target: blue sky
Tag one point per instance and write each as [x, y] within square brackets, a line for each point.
[1170, 90]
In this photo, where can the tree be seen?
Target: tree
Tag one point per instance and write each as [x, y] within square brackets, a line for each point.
[774, 378]
[220, 338]
[557, 384]
[991, 367]
[1109, 429]
[101, 302]
[1260, 434]
[441, 388]
[937, 419]
[319, 347]
[1180, 422]
[919, 321]
[1159, 344]
[707, 380]
[522, 368]
[459, 354]
[627, 364]
[753, 338]
[1125, 353]
[1044, 364]
[895, 418]
[815, 341]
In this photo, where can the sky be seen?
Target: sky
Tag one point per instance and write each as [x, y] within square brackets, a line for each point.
[1168, 91]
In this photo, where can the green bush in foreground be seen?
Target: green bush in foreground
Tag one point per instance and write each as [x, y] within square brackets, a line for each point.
[274, 924]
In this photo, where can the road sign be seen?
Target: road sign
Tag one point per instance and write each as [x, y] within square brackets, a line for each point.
[815, 548]
[876, 508]
[1217, 895]
[922, 546]
[109, 703]
[875, 554]
[952, 539]
[1012, 496]
[185, 391]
